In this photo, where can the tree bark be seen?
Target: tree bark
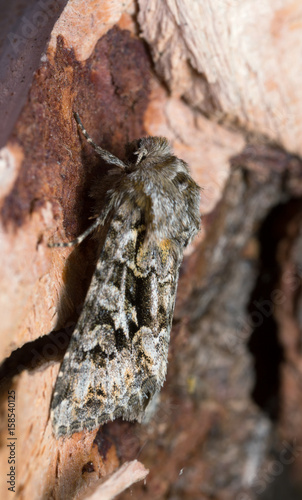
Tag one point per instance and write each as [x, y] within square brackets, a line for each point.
[220, 81]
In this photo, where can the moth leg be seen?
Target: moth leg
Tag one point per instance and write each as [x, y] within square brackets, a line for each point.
[105, 155]
[98, 222]
[79, 239]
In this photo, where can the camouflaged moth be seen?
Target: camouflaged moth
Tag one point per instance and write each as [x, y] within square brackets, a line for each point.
[117, 357]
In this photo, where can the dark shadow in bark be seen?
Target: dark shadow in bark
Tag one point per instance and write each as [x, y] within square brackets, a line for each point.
[264, 343]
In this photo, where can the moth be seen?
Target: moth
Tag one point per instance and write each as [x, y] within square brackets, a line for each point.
[117, 357]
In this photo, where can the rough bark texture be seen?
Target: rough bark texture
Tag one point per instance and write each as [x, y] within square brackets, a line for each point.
[232, 58]
[227, 423]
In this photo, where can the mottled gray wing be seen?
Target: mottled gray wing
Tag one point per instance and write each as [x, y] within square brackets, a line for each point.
[117, 357]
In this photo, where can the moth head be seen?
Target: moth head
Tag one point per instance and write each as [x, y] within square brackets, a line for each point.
[153, 149]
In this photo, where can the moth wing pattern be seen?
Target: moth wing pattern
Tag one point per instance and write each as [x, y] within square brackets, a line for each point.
[117, 357]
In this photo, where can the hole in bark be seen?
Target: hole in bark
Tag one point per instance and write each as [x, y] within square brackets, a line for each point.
[264, 343]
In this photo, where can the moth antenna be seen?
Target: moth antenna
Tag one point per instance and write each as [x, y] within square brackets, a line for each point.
[105, 155]
[140, 154]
